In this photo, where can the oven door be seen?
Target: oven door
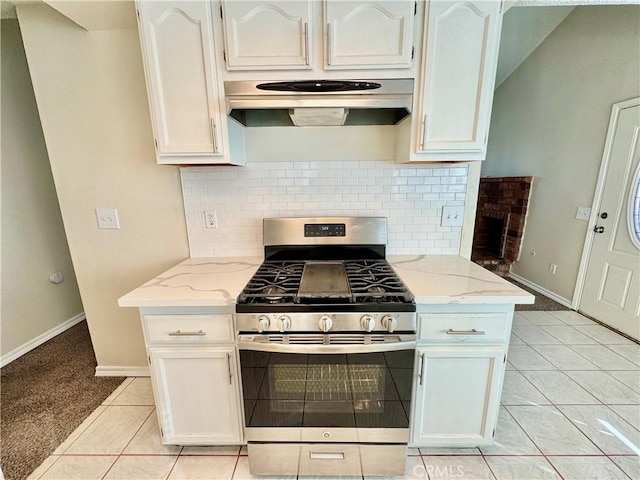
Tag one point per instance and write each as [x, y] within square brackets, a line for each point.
[346, 388]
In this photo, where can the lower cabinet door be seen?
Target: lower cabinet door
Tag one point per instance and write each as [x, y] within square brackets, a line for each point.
[456, 395]
[197, 395]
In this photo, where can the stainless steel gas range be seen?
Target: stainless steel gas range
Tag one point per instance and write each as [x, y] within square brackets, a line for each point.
[327, 335]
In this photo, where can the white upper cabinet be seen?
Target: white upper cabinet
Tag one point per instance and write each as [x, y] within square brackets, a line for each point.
[267, 35]
[280, 34]
[456, 82]
[369, 34]
[185, 95]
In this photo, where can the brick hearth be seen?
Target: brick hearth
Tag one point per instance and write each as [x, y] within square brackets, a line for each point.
[500, 222]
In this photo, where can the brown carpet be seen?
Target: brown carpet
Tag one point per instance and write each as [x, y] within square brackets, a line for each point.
[45, 395]
[543, 303]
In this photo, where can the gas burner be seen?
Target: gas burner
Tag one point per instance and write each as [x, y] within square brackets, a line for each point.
[324, 265]
[376, 291]
[273, 293]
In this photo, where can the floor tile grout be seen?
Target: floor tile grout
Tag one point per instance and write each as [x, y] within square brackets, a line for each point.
[503, 407]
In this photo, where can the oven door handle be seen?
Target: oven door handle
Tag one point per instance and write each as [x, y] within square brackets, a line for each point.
[244, 344]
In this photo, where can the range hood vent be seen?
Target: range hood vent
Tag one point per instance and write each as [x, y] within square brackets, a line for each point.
[319, 102]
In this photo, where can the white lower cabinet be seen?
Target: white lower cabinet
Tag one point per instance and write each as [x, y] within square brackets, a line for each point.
[197, 395]
[457, 395]
[459, 369]
[193, 363]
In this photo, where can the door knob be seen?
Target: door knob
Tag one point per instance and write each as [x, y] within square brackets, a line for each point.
[604, 215]
[598, 229]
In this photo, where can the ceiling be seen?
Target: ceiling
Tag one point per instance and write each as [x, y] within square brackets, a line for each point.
[523, 29]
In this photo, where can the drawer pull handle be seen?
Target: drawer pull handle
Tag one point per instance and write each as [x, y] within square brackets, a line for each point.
[326, 455]
[473, 331]
[180, 333]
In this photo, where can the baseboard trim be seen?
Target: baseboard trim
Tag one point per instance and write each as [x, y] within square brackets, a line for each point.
[122, 371]
[9, 357]
[548, 293]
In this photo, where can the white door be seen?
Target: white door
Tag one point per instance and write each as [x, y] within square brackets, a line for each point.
[457, 394]
[371, 34]
[197, 395]
[611, 291]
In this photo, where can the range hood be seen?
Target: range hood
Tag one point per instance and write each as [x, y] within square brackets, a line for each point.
[319, 102]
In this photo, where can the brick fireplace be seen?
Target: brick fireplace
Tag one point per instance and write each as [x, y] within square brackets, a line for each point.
[500, 221]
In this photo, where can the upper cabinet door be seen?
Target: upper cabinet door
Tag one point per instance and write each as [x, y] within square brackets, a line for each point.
[457, 78]
[267, 35]
[178, 53]
[369, 34]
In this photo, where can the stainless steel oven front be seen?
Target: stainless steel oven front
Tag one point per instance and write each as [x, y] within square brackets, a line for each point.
[327, 403]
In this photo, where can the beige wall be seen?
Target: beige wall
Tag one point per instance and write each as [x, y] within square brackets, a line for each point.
[550, 120]
[90, 91]
[33, 238]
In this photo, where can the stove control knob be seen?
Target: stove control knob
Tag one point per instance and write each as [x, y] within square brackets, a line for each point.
[263, 323]
[389, 323]
[284, 323]
[325, 323]
[367, 322]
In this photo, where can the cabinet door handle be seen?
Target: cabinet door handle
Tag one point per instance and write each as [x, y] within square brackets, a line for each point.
[424, 132]
[180, 333]
[306, 43]
[229, 366]
[421, 369]
[473, 331]
[328, 44]
[213, 134]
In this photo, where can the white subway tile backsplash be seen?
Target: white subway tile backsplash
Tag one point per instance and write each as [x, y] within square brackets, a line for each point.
[410, 196]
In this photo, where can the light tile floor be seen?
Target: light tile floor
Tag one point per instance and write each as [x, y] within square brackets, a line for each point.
[570, 409]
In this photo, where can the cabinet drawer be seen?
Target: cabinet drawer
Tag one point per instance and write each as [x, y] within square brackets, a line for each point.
[464, 327]
[188, 328]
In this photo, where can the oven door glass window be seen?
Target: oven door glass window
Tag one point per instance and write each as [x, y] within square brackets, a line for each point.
[371, 390]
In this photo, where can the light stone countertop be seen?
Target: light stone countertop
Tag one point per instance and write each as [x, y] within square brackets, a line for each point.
[216, 282]
[450, 279]
[196, 282]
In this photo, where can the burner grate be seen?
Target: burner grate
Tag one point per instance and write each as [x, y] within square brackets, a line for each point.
[370, 282]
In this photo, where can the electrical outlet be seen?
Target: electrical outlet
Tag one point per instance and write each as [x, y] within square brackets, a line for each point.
[552, 268]
[210, 219]
[452, 216]
[107, 218]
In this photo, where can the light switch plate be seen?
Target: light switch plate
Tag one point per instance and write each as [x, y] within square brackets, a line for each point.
[452, 216]
[107, 218]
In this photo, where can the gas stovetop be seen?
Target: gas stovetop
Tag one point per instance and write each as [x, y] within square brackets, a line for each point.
[343, 285]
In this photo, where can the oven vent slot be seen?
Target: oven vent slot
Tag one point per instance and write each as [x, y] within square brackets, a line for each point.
[342, 339]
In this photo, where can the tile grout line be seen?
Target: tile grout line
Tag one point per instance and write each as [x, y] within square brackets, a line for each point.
[556, 407]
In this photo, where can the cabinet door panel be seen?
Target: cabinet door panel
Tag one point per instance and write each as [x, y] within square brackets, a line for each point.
[196, 395]
[369, 34]
[458, 74]
[457, 395]
[178, 51]
[267, 34]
